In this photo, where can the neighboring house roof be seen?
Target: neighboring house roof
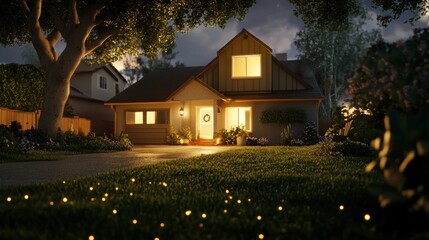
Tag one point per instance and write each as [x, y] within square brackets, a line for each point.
[76, 93]
[84, 68]
[157, 86]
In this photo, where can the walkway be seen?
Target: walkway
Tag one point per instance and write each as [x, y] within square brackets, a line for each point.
[25, 173]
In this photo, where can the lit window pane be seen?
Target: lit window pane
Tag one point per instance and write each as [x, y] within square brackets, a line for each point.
[130, 119]
[150, 117]
[138, 118]
[239, 66]
[238, 116]
[254, 66]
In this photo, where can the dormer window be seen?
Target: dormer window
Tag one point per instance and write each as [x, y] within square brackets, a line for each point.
[102, 82]
[246, 66]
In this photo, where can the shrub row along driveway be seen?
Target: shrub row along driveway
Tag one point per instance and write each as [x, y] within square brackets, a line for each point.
[24, 173]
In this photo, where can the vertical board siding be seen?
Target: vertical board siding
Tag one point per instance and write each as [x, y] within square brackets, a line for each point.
[29, 120]
[283, 81]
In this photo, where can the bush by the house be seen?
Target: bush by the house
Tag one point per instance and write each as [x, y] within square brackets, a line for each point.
[185, 133]
[283, 117]
[286, 136]
[263, 141]
[15, 141]
[229, 137]
[347, 148]
[296, 142]
[252, 141]
[310, 134]
[173, 137]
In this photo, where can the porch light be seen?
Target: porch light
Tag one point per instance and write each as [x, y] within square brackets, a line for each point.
[181, 111]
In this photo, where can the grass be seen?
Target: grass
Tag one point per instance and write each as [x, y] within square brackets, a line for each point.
[252, 193]
[36, 155]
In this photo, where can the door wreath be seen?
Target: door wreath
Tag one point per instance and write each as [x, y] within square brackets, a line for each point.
[206, 118]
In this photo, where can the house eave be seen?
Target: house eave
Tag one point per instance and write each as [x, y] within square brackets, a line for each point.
[139, 103]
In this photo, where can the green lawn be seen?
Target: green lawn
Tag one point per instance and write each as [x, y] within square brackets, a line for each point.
[37, 155]
[253, 193]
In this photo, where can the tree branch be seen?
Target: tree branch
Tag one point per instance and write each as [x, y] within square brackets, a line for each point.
[74, 16]
[25, 7]
[94, 44]
[59, 23]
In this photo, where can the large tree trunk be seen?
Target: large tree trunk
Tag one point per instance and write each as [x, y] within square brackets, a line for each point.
[57, 88]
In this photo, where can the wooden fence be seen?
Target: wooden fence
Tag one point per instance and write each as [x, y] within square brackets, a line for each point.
[30, 120]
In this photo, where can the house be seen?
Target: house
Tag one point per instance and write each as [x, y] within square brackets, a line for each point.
[234, 89]
[90, 87]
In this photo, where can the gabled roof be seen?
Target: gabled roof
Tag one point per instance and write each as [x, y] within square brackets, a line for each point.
[157, 86]
[245, 33]
[86, 68]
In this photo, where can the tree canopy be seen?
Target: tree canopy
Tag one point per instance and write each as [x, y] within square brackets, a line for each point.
[102, 31]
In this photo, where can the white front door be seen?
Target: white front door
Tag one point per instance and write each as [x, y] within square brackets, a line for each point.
[206, 122]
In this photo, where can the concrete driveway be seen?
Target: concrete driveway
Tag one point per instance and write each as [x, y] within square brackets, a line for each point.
[25, 173]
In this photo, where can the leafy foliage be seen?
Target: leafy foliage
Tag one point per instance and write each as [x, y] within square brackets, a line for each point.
[310, 134]
[185, 133]
[283, 116]
[21, 87]
[232, 189]
[404, 160]
[173, 137]
[229, 137]
[286, 135]
[393, 76]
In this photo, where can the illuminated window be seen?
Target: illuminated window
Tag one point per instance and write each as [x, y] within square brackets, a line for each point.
[102, 82]
[150, 117]
[239, 116]
[147, 117]
[246, 66]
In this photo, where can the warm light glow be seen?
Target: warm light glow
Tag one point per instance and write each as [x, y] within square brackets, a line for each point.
[138, 118]
[91, 237]
[249, 200]
[226, 201]
[230, 197]
[116, 188]
[280, 208]
[367, 217]
[238, 201]
[115, 211]
[259, 218]
[131, 194]
[65, 199]
[201, 225]
[238, 116]
[162, 225]
[164, 184]
[51, 203]
[133, 179]
[156, 238]
[91, 188]
[150, 117]
[92, 199]
[64, 182]
[103, 199]
[106, 194]
[341, 207]
[26, 197]
[189, 212]
[181, 112]
[9, 199]
[134, 221]
[225, 211]
[226, 191]
[261, 236]
[246, 66]
[203, 215]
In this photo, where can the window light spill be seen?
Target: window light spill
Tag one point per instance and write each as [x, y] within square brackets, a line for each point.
[115, 211]
[162, 225]
[134, 221]
[26, 197]
[259, 218]
[203, 215]
[189, 212]
[341, 207]
[91, 237]
[367, 217]
[65, 199]
[261, 236]
[9, 199]
[280, 208]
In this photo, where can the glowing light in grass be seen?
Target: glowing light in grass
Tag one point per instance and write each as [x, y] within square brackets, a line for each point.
[226, 201]
[133, 180]
[156, 238]
[65, 199]
[203, 215]
[201, 225]
[367, 217]
[131, 194]
[9, 199]
[225, 211]
[64, 182]
[341, 207]
[280, 208]
[226, 191]
[116, 188]
[26, 197]
[51, 203]
[261, 236]
[115, 211]
[103, 199]
[230, 197]
[162, 225]
[238, 201]
[164, 184]
[249, 200]
[189, 212]
[106, 194]
[92, 199]
[91, 237]
[134, 221]
[259, 218]
[91, 188]
[98, 184]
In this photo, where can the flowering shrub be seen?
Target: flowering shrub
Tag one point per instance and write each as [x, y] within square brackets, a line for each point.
[252, 141]
[393, 76]
[296, 142]
[263, 141]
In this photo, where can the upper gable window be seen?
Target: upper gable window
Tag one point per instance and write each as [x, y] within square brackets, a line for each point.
[102, 82]
[246, 66]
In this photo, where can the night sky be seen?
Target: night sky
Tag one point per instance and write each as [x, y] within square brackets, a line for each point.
[270, 20]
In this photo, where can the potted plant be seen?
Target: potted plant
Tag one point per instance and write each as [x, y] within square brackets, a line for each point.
[185, 135]
[242, 134]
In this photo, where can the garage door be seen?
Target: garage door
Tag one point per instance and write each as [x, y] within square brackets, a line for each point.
[147, 126]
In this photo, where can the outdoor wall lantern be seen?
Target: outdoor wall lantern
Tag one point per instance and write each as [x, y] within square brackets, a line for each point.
[181, 111]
